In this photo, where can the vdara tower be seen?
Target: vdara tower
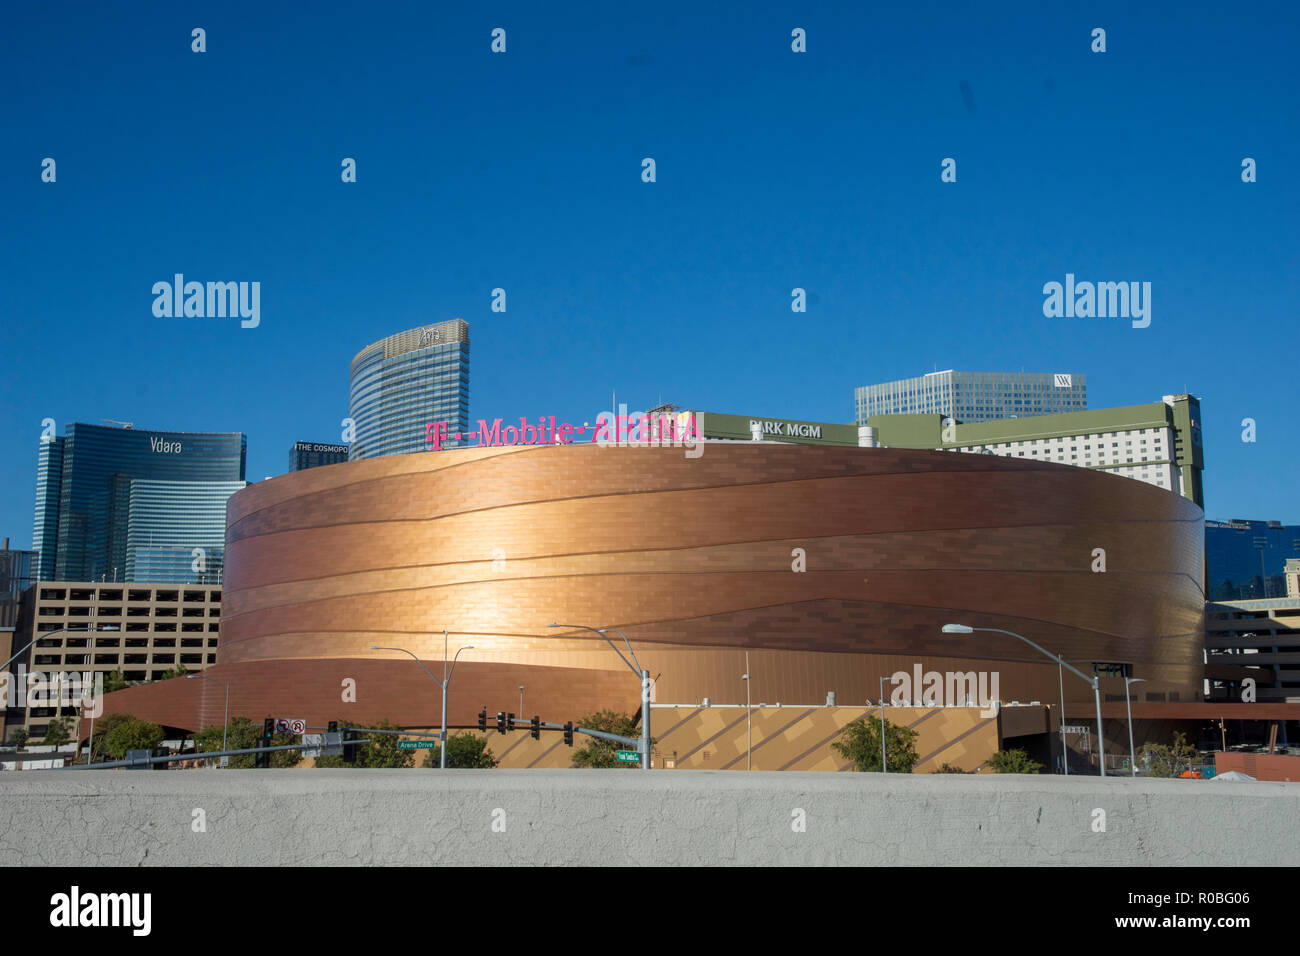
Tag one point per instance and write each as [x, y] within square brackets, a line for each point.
[403, 382]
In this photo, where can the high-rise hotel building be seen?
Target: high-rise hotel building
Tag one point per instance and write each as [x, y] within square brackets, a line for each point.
[128, 504]
[402, 383]
[975, 396]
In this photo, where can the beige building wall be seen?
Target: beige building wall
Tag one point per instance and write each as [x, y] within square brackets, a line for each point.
[144, 630]
[781, 738]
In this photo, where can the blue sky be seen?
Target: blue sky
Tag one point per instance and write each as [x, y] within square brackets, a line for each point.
[522, 171]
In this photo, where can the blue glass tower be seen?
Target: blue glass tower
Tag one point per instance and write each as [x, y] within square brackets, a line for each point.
[975, 396]
[402, 383]
[49, 481]
[1245, 560]
[103, 494]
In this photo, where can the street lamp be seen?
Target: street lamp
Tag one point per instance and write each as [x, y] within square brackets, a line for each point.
[91, 653]
[635, 667]
[749, 739]
[1060, 721]
[1096, 690]
[39, 637]
[225, 760]
[446, 679]
[884, 768]
[1132, 757]
[521, 701]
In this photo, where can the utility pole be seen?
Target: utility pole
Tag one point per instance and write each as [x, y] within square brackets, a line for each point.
[635, 667]
[749, 737]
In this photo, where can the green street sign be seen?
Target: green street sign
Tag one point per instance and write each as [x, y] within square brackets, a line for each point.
[416, 744]
[628, 756]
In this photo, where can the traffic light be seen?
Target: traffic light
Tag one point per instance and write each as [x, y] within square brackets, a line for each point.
[510, 721]
[482, 721]
[501, 721]
[262, 759]
[568, 734]
[349, 751]
[537, 727]
[333, 727]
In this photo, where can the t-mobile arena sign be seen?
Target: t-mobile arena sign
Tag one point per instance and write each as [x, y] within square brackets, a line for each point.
[637, 430]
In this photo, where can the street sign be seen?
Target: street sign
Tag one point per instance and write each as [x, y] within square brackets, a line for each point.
[1074, 729]
[313, 744]
[297, 726]
[628, 756]
[281, 725]
[416, 744]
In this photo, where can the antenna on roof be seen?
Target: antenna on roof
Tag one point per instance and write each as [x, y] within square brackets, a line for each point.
[114, 421]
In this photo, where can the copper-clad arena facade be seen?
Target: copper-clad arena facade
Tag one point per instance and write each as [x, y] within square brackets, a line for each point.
[697, 560]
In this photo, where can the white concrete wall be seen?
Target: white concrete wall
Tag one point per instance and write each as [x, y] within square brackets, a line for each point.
[355, 817]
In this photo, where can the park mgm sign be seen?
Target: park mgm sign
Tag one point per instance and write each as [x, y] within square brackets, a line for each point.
[746, 428]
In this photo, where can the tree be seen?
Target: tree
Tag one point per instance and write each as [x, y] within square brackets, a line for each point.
[600, 754]
[180, 670]
[860, 742]
[1162, 760]
[464, 751]
[102, 726]
[57, 733]
[240, 735]
[380, 750]
[949, 768]
[1012, 761]
[129, 734]
[19, 738]
[114, 680]
[243, 734]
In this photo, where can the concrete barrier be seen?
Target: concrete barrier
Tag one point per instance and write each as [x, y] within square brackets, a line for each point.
[543, 817]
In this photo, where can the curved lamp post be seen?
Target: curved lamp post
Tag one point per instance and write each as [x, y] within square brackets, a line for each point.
[635, 667]
[1132, 757]
[1096, 692]
[225, 761]
[91, 649]
[446, 679]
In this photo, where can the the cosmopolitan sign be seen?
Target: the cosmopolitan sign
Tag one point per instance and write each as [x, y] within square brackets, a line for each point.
[637, 430]
[313, 446]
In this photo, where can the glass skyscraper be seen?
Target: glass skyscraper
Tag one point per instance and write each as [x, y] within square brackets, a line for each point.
[402, 383]
[122, 504]
[17, 574]
[313, 454]
[975, 396]
[1246, 560]
[176, 530]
